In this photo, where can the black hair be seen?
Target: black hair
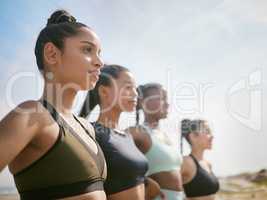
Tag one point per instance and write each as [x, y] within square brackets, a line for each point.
[143, 92]
[105, 78]
[189, 126]
[60, 25]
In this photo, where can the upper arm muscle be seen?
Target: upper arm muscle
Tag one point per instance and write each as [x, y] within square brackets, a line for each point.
[17, 129]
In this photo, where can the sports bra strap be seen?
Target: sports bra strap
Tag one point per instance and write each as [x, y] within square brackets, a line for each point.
[85, 129]
[61, 121]
[195, 160]
[51, 109]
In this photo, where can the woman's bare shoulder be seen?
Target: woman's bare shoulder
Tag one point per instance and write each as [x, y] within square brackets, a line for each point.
[138, 132]
[18, 128]
[31, 112]
[188, 164]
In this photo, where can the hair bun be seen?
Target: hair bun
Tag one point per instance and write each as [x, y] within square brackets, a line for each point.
[60, 16]
[186, 126]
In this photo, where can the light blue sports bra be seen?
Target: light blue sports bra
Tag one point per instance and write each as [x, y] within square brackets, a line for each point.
[162, 156]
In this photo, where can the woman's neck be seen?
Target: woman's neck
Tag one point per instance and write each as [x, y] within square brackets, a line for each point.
[151, 121]
[109, 118]
[60, 97]
[197, 153]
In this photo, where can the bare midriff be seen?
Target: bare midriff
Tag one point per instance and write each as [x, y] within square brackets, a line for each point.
[170, 180]
[134, 193]
[96, 195]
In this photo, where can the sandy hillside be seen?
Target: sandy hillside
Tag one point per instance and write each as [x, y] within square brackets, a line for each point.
[246, 186]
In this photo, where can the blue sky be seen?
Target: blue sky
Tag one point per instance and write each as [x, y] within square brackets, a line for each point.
[185, 45]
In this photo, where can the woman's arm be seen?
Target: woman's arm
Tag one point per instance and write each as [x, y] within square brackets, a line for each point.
[141, 139]
[17, 129]
[152, 189]
[187, 169]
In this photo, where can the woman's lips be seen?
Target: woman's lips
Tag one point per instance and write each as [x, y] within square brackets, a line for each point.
[133, 102]
[95, 74]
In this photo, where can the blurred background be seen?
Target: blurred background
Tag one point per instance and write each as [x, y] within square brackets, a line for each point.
[210, 55]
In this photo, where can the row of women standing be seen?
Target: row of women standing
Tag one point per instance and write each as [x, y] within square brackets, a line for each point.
[53, 154]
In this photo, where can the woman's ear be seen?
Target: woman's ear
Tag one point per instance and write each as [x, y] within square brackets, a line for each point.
[103, 91]
[192, 136]
[51, 54]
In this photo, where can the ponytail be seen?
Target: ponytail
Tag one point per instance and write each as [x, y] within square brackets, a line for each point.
[181, 144]
[185, 130]
[90, 102]
[108, 72]
[140, 91]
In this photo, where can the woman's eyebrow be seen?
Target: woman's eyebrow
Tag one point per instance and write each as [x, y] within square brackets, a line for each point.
[88, 42]
[129, 82]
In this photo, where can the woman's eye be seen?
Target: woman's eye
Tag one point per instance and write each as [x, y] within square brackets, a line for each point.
[133, 88]
[87, 50]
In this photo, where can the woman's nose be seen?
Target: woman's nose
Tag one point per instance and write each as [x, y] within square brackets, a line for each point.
[99, 62]
[135, 94]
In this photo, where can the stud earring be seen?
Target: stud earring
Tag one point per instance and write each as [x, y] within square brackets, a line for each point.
[49, 75]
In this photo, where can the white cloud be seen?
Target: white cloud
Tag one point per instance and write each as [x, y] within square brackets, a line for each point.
[6, 179]
[4, 109]
[202, 44]
[252, 11]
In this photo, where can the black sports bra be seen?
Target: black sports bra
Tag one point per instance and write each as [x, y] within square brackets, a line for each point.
[125, 163]
[203, 183]
[67, 169]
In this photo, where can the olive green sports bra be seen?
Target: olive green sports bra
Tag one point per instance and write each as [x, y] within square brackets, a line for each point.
[67, 169]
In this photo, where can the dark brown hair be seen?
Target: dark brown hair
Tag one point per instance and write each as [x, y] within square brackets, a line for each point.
[143, 93]
[59, 26]
[190, 126]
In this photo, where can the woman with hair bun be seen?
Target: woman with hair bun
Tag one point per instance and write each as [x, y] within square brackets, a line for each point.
[51, 153]
[199, 182]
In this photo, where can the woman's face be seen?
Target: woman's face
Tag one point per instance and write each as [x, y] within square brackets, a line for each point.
[203, 138]
[122, 93]
[156, 103]
[80, 62]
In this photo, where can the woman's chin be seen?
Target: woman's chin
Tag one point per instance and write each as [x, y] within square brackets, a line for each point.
[209, 147]
[89, 86]
[164, 114]
[129, 109]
